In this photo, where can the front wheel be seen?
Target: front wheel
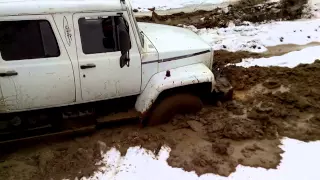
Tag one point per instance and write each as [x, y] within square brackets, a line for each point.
[172, 105]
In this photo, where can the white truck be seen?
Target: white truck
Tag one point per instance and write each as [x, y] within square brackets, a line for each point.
[70, 55]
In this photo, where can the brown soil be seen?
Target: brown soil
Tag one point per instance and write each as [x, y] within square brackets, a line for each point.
[245, 10]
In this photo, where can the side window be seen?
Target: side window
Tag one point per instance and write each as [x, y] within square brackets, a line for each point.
[101, 34]
[27, 39]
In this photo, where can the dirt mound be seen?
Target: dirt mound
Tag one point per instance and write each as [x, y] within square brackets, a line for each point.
[245, 10]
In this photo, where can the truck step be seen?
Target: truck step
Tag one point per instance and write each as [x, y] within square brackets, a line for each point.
[131, 114]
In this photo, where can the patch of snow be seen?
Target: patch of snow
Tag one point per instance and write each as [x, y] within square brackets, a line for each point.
[299, 161]
[292, 59]
[275, 1]
[256, 37]
[314, 7]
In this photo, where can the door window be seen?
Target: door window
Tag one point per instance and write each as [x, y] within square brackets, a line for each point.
[27, 39]
[102, 34]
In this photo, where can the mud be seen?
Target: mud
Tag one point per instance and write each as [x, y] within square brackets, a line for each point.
[61, 160]
[269, 103]
[245, 10]
[288, 97]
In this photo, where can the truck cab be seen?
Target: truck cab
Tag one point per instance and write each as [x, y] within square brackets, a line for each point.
[60, 53]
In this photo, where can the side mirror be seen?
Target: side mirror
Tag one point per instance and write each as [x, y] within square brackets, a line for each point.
[124, 42]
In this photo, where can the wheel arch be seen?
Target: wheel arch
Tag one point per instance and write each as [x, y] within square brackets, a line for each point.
[196, 79]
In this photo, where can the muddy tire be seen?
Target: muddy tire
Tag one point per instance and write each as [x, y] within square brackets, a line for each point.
[172, 105]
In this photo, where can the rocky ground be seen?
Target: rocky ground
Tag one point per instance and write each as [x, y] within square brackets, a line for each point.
[269, 103]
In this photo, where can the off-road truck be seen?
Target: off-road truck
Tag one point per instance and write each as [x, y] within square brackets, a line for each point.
[61, 59]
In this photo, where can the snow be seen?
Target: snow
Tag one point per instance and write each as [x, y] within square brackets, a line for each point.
[143, 5]
[257, 37]
[139, 164]
[292, 59]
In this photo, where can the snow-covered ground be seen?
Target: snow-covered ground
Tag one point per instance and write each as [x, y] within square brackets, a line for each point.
[138, 164]
[257, 37]
[306, 56]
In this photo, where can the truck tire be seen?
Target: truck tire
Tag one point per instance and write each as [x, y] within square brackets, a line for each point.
[172, 105]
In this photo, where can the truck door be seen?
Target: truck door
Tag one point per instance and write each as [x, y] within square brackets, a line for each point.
[98, 49]
[35, 70]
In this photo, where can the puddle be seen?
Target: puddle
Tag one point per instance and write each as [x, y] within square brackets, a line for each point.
[286, 48]
[258, 89]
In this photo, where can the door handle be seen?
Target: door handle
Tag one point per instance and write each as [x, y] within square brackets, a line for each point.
[87, 66]
[8, 73]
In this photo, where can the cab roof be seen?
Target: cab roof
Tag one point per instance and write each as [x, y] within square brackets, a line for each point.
[32, 7]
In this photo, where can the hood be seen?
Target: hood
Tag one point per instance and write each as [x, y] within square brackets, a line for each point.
[171, 41]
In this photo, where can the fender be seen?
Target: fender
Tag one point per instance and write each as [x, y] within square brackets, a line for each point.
[182, 76]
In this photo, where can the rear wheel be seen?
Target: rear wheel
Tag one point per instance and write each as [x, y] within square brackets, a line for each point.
[172, 105]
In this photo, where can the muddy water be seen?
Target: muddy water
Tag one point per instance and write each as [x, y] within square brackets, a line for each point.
[286, 48]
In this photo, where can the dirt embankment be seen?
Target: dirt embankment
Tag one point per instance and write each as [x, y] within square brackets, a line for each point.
[244, 10]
